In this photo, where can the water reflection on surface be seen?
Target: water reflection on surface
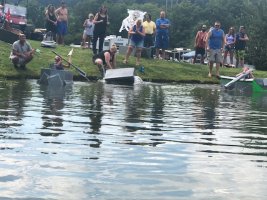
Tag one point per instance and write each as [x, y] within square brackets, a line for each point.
[151, 141]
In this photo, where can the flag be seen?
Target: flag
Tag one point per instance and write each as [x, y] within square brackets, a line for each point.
[70, 53]
[8, 15]
[129, 21]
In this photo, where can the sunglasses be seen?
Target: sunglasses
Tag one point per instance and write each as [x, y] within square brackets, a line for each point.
[216, 25]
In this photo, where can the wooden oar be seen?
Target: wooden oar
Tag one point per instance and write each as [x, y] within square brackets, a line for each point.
[81, 72]
[227, 85]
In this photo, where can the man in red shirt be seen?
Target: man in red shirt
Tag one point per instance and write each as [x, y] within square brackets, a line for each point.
[200, 43]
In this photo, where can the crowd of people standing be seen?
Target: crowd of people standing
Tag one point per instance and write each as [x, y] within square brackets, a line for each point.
[146, 33]
[57, 22]
[218, 45]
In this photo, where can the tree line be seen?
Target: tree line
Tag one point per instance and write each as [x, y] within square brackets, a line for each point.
[186, 16]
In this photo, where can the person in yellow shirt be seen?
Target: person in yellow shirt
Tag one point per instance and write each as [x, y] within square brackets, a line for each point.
[150, 30]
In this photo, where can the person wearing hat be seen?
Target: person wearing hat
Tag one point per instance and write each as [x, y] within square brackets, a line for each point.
[88, 30]
[200, 44]
[22, 52]
[240, 45]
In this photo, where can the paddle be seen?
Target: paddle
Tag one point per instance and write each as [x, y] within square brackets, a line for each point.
[227, 86]
[81, 72]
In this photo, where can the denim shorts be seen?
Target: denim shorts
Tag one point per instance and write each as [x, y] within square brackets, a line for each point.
[139, 44]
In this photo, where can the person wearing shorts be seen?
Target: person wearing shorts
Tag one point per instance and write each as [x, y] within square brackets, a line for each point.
[137, 34]
[240, 45]
[162, 34]
[88, 30]
[215, 44]
[229, 46]
[62, 22]
[200, 43]
[22, 52]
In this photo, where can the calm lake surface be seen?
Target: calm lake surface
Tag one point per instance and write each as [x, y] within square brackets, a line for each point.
[151, 141]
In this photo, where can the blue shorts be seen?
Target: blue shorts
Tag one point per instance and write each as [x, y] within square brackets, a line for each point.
[62, 27]
[162, 41]
[139, 44]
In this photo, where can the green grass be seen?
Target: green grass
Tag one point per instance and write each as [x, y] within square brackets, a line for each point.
[155, 70]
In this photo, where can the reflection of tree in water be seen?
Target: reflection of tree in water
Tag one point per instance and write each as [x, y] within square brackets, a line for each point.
[12, 101]
[157, 108]
[147, 98]
[92, 96]
[259, 104]
[52, 114]
[136, 104]
[207, 99]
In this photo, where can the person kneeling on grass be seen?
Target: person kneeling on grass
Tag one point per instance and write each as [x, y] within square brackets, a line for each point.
[22, 52]
[245, 70]
[106, 59]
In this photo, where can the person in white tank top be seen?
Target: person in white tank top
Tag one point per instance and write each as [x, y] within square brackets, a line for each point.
[88, 30]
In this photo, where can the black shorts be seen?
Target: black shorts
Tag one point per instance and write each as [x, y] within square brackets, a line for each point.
[200, 50]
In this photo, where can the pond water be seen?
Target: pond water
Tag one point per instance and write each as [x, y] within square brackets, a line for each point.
[151, 141]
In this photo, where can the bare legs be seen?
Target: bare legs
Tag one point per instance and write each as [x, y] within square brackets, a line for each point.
[217, 69]
[162, 53]
[138, 55]
[22, 62]
[60, 39]
[128, 53]
[231, 57]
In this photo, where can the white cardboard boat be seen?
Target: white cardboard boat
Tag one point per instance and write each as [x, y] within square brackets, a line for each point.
[123, 76]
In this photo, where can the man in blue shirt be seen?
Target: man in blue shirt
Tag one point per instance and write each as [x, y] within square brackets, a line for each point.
[162, 34]
[215, 44]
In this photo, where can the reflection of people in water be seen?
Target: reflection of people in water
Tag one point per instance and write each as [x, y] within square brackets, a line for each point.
[92, 100]
[52, 110]
[15, 96]
[207, 100]
[56, 121]
[137, 104]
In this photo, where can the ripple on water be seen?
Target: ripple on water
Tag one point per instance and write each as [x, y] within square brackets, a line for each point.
[152, 141]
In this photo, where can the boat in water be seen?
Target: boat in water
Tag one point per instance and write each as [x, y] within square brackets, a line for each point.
[253, 85]
[54, 77]
[121, 76]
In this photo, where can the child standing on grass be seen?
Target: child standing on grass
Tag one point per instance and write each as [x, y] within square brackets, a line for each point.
[88, 30]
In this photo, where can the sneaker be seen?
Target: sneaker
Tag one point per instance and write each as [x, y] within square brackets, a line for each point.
[125, 61]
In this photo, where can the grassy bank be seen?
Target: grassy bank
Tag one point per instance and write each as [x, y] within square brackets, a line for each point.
[155, 70]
